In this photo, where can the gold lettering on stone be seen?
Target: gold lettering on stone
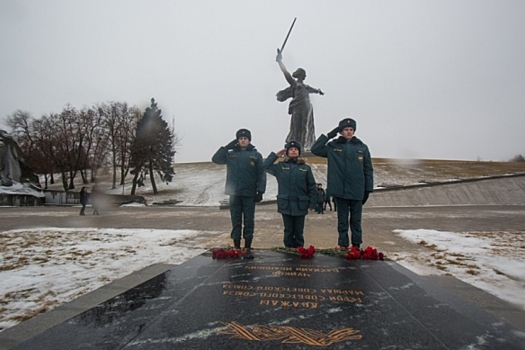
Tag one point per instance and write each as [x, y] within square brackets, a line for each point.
[342, 291]
[345, 299]
[286, 303]
[288, 335]
[274, 295]
[290, 274]
[293, 271]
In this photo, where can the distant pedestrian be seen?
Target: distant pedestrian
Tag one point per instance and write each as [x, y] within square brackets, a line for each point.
[296, 191]
[95, 199]
[84, 198]
[350, 177]
[320, 199]
[245, 184]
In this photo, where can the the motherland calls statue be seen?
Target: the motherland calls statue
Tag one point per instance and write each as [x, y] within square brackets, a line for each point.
[302, 127]
[13, 169]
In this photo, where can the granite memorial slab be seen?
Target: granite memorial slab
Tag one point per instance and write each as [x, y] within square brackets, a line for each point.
[281, 301]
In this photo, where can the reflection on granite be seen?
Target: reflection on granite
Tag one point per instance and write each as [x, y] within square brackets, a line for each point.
[279, 300]
[118, 307]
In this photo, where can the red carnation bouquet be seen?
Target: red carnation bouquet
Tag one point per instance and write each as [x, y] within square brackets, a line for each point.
[370, 253]
[306, 253]
[228, 253]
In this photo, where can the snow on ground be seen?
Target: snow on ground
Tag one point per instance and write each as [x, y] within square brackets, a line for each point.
[46, 267]
[491, 261]
[200, 184]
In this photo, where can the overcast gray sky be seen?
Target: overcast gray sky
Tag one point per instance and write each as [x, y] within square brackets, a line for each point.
[424, 79]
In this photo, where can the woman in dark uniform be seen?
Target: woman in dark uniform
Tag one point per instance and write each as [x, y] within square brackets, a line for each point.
[297, 191]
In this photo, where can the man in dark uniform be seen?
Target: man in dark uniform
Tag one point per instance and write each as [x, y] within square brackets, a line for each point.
[245, 184]
[350, 177]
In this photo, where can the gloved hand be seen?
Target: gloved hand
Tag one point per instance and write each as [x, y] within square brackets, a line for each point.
[231, 144]
[333, 133]
[365, 197]
[258, 197]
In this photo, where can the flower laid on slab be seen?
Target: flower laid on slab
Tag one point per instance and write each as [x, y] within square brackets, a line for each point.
[304, 253]
[353, 253]
[228, 253]
[370, 253]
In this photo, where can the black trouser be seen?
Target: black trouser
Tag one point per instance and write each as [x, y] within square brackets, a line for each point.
[293, 231]
[319, 208]
[83, 209]
[242, 207]
[355, 208]
[329, 204]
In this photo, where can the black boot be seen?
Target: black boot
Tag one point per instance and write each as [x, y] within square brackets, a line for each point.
[248, 247]
[237, 243]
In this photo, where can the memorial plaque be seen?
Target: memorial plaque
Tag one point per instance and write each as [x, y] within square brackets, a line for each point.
[280, 300]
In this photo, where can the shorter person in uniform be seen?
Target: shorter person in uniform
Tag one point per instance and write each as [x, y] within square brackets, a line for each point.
[296, 191]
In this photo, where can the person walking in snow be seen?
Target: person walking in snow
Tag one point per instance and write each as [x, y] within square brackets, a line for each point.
[84, 198]
[245, 184]
[296, 191]
[350, 177]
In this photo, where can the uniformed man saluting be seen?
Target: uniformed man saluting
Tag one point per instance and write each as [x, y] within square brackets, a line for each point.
[245, 184]
[350, 177]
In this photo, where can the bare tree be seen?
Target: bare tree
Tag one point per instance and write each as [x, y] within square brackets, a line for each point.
[119, 121]
[126, 137]
[24, 130]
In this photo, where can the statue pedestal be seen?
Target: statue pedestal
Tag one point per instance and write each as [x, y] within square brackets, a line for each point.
[307, 154]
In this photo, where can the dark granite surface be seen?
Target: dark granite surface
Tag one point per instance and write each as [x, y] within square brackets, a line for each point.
[280, 301]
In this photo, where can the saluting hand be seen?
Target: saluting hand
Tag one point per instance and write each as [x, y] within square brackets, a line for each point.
[231, 144]
[281, 153]
[333, 133]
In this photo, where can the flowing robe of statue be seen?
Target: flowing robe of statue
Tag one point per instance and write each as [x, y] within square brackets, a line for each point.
[302, 128]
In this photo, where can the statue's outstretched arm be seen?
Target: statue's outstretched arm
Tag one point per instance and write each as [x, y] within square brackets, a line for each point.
[313, 90]
[287, 74]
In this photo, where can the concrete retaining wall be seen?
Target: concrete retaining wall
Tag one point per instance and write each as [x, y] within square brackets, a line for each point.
[508, 190]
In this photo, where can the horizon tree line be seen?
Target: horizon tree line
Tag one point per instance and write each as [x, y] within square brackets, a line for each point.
[81, 141]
